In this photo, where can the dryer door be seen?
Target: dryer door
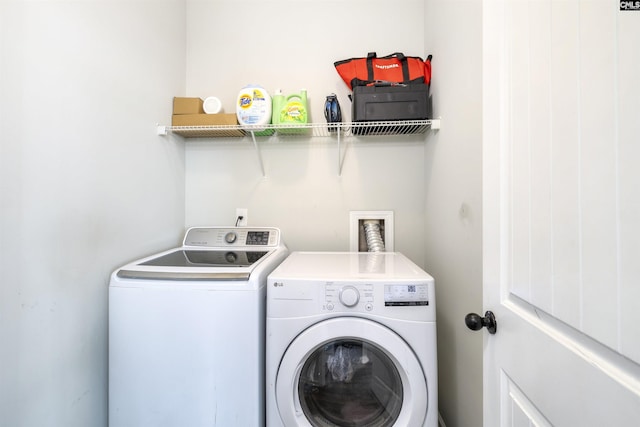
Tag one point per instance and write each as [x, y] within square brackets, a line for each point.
[349, 371]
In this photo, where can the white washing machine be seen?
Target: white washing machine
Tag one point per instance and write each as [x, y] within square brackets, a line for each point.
[351, 341]
[187, 331]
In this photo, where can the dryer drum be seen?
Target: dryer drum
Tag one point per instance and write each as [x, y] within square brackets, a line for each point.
[350, 382]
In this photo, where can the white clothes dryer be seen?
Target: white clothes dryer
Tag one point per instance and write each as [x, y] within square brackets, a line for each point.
[351, 341]
[187, 331]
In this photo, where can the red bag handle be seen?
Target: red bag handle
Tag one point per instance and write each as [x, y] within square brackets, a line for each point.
[403, 61]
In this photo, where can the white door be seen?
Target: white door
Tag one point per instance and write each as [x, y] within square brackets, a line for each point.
[561, 213]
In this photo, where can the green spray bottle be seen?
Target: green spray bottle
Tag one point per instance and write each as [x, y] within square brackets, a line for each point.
[277, 101]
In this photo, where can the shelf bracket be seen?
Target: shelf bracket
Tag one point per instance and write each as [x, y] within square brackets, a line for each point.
[340, 155]
[255, 145]
[161, 130]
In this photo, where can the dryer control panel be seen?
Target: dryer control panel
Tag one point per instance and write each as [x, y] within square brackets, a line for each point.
[350, 295]
[361, 296]
[406, 295]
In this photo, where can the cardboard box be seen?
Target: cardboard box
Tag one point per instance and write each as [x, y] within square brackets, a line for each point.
[187, 105]
[226, 125]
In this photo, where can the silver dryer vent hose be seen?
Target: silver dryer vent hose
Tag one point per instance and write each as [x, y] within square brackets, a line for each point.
[373, 235]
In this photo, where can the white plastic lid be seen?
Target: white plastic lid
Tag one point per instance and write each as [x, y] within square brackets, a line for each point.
[212, 105]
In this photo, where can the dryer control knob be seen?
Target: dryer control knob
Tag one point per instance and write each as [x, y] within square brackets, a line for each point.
[349, 296]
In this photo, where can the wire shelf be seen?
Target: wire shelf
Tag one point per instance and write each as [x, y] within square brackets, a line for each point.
[342, 132]
[338, 130]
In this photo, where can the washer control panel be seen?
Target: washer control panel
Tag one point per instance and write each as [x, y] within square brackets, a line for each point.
[215, 237]
[349, 295]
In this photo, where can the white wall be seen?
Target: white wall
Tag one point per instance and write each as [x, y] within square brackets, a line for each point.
[85, 185]
[290, 45]
[432, 183]
[453, 197]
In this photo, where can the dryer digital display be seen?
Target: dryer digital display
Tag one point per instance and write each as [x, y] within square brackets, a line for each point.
[406, 295]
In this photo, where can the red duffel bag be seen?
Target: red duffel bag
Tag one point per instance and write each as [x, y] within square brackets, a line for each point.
[391, 69]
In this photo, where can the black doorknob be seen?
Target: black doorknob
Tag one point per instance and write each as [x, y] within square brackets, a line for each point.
[475, 322]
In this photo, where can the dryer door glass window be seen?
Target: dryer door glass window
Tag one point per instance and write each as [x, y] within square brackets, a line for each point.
[350, 382]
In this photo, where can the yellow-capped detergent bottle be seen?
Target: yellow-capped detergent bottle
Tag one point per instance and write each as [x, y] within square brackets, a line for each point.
[254, 109]
[291, 112]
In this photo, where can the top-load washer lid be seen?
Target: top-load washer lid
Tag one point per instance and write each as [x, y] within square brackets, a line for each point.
[207, 258]
[209, 253]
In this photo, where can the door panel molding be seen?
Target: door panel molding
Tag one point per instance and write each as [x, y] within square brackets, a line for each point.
[613, 364]
[516, 404]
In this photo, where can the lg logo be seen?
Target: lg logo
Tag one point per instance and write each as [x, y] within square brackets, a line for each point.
[278, 284]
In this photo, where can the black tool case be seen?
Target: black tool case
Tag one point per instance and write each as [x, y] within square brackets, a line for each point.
[388, 103]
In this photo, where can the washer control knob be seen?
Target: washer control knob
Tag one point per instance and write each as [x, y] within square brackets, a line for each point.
[230, 237]
[349, 296]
